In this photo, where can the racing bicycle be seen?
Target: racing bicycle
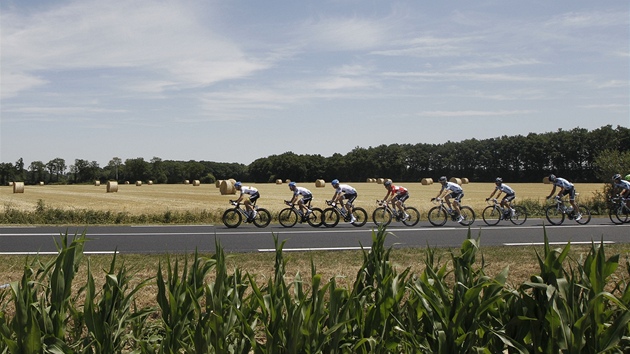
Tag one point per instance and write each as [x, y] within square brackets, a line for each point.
[494, 213]
[439, 214]
[557, 212]
[619, 212]
[384, 214]
[290, 216]
[336, 212]
[233, 217]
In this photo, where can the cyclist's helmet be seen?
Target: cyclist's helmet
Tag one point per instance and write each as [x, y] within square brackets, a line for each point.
[238, 185]
[552, 177]
[443, 179]
[387, 183]
[335, 182]
[616, 177]
[499, 180]
[291, 184]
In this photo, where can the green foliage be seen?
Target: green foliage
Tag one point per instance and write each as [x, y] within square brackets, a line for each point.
[452, 306]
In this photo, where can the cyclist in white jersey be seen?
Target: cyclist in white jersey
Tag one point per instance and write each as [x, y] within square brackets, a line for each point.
[307, 196]
[509, 194]
[253, 196]
[347, 193]
[566, 187]
[623, 185]
[454, 191]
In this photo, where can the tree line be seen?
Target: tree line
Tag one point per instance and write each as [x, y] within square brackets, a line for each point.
[571, 153]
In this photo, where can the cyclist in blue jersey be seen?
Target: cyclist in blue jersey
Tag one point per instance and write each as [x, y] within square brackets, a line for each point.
[566, 187]
[347, 193]
[509, 194]
[622, 185]
[306, 194]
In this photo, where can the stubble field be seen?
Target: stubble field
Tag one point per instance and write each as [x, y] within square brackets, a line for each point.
[149, 199]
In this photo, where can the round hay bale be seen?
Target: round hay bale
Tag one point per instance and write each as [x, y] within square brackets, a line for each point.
[112, 186]
[186, 181]
[278, 181]
[10, 184]
[320, 183]
[232, 180]
[287, 181]
[380, 180]
[546, 180]
[18, 187]
[227, 187]
[217, 183]
[126, 182]
[456, 180]
[465, 180]
[97, 183]
[41, 183]
[427, 181]
[150, 182]
[196, 183]
[138, 183]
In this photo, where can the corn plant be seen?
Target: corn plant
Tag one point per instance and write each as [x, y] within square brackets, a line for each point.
[108, 315]
[179, 299]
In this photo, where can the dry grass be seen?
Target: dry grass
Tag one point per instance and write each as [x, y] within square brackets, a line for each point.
[149, 199]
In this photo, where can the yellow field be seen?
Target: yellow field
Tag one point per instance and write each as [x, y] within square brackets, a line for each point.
[148, 199]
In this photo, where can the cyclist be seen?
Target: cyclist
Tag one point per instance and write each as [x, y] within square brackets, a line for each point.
[509, 194]
[566, 187]
[253, 196]
[622, 185]
[347, 193]
[451, 190]
[398, 196]
[307, 196]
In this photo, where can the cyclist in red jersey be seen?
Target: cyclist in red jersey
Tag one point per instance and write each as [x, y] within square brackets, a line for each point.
[396, 195]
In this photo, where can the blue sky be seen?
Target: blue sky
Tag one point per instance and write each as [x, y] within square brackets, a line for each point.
[233, 81]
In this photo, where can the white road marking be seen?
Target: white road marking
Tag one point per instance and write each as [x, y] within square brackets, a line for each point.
[555, 243]
[314, 249]
[50, 253]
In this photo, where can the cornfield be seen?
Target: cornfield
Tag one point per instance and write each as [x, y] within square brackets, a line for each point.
[452, 306]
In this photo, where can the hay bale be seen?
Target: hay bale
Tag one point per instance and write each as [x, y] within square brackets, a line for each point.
[18, 187]
[426, 181]
[380, 180]
[138, 183]
[217, 183]
[97, 183]
[41, 183]
[546, 180]
[287, 181]
[278, 181]
[196, 183]
[456, 180]
[227, 187]
[10, 184]
[186, 182]
[112, 186]
[126, 182]
[465, 180]
[320, 183]
[150, 182]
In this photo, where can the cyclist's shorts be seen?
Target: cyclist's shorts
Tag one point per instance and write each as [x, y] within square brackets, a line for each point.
[254, 197]
[350, 197]
[401, 197]
[570, 192]
[509, 197]
[307, 198]
[457, 196]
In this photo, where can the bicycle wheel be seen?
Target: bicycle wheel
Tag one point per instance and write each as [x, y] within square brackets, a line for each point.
[491, 215]
[287, 217]
[520, 215]
[232, 218]
[612, 214]
[382, 216]
[331, 217]
[263, 218]
[437, 216]
[554, 215]
[586, 215]
[468, 214]
[414, 216]
[361, 215]
[623, 214]
[316, 217]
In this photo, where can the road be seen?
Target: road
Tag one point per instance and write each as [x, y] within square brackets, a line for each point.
[247, 238]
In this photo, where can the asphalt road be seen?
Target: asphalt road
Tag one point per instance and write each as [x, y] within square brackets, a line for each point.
[248, 238]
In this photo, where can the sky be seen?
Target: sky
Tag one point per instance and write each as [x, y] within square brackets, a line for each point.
[234, 81]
